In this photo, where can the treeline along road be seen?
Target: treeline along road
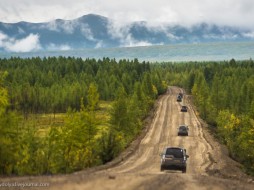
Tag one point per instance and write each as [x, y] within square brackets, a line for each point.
[208, 166]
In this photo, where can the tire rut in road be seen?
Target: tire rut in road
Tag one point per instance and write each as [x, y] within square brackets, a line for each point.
[202, 141]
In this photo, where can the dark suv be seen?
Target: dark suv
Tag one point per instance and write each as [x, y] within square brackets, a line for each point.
[183, 130]
[184, 109]
[179, 98]
[174, 158]
[180, 94]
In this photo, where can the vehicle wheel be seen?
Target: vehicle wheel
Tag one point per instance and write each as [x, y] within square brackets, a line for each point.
[184, 170]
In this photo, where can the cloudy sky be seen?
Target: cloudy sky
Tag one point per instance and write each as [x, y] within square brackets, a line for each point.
[186, 12]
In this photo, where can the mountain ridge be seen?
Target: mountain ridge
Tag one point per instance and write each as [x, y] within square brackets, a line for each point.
[96, 31]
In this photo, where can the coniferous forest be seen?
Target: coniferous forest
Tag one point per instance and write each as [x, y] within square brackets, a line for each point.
[103, 101]
[93, 108]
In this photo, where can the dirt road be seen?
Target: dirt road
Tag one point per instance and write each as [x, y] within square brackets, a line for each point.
[208, 166]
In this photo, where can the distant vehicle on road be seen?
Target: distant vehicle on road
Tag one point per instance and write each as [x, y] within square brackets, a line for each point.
[184, 109]
[174, 158]
[183, 130]
[180, 94]
[179, 98]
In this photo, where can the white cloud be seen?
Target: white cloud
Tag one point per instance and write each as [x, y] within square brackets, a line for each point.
[186, 12]
[249, 34]
[68, 26]
[53, 26]
[64, 25]
[99, 44]
[122, 33]
[3, 36]
[138, 43]
[62, 47]
[128, 41]
[118, 30]
[86, 31]
[27, 44]
[172, 36]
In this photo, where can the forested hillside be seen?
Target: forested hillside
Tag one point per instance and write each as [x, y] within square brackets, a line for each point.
[104, 103]
[91, 133]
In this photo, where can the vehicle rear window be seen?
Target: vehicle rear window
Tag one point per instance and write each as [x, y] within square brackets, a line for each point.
[176, 152]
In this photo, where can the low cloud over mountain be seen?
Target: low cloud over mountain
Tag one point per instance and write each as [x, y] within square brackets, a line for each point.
[94, 31]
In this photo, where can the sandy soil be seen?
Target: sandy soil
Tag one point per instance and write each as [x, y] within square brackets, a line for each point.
[208, 166]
